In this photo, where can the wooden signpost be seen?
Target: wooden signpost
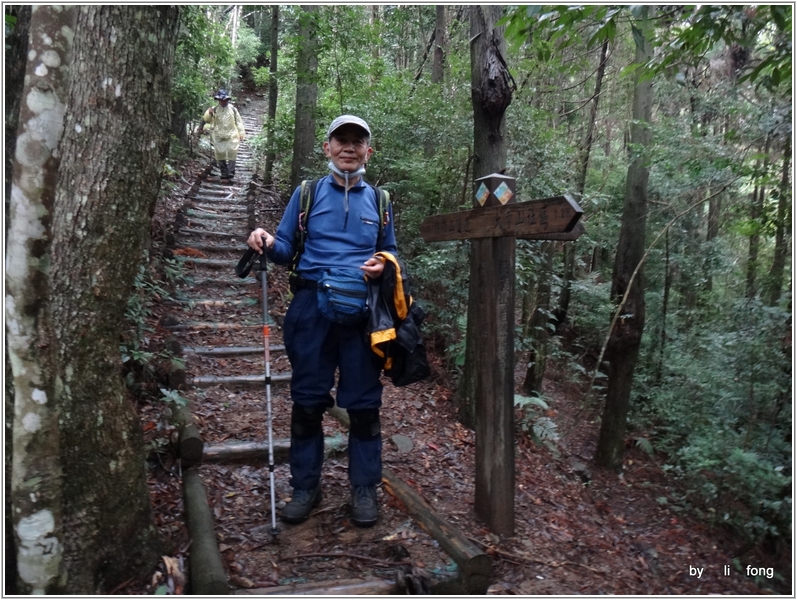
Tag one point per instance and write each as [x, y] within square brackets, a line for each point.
[493, 225]
[528, 220]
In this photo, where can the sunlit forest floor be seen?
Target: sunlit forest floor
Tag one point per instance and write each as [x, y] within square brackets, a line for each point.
[579, 530]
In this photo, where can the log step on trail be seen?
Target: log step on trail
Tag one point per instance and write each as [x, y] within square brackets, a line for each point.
[219, 303]
[219, 281]
[205, 326]
[237, 380]
[213, 263]
[257, 452]
[231, 350]
[236, 248]
[199, 215]
[216, 208]
[209, 233]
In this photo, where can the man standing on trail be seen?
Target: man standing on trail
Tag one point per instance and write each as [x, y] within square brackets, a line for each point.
[342, 233]
[227, 131]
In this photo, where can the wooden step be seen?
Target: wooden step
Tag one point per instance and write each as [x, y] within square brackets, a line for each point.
[230, 350]
[215, 263]
[237, 380]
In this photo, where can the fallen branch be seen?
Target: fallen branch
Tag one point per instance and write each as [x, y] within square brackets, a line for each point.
[190, 442]
[514, 558]
[475, 566]
[208, 577]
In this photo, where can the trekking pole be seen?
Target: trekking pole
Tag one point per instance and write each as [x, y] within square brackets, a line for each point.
[267, 360]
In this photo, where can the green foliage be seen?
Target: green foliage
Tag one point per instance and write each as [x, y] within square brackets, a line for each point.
[441, 283]
[722, 414]
[534, 420]
[140, 362]
[591, 313]
[261, 76]
[203, 59]
[174, 398]
[764, 31]
[248, 46]
[10, 24]
[563, 26]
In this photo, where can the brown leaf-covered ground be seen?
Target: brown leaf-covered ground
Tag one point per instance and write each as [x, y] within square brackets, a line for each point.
[579, 530]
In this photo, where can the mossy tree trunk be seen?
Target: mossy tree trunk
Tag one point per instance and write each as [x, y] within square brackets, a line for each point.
[101, 221]
[16, 59]
[36, 492]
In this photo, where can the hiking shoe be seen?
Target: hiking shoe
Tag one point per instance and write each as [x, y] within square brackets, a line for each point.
[364, 509]
[300, 506]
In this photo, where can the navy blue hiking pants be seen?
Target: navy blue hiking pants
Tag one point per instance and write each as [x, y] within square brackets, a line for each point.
[316, 347]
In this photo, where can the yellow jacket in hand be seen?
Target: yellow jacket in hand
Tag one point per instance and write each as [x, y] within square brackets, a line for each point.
[226, 130]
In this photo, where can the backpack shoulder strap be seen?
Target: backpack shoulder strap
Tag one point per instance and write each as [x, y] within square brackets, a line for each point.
[383, 205]
[306, 197]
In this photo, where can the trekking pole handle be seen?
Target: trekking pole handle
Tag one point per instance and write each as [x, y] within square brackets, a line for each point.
[263, 258]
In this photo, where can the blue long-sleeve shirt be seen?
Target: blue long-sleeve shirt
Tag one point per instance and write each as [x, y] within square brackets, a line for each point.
[334, 239]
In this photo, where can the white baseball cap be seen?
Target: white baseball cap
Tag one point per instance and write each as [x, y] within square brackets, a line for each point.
[346, 120]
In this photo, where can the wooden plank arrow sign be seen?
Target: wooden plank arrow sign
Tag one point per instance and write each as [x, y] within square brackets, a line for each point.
[537, 219]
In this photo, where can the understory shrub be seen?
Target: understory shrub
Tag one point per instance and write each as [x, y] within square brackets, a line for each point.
[720, 412]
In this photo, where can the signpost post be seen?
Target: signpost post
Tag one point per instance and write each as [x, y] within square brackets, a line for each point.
[493, 226]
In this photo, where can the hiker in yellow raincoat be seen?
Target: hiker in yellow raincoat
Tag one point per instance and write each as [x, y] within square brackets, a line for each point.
[227, 131]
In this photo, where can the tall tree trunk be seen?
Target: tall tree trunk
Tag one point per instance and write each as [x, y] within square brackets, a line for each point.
[756, 214]
[489, 386]
[712, 231]
[782, 219]
[625, 338]
[375, 18]
[540, 335]
[375, 21]
[236, 24]
[581, 179]
[438, 41]
[665, 303]
[438, 56]
[271, 155]
[16, 59]
[306, 95]
[36, 482]
[101, 224]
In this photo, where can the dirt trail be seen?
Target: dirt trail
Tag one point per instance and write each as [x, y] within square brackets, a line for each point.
[577, 531]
